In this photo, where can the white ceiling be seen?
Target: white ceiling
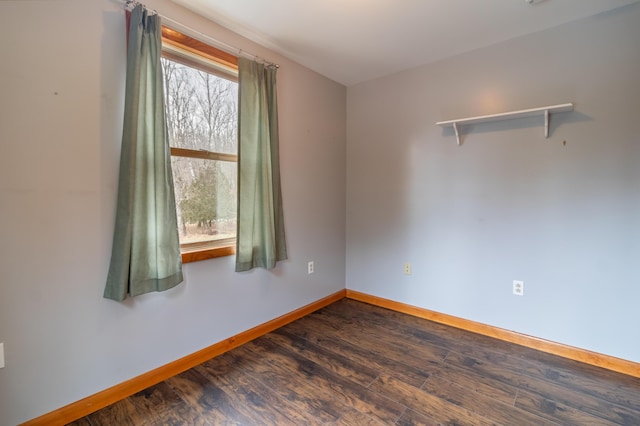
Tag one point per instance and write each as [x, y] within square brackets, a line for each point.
[351, 41]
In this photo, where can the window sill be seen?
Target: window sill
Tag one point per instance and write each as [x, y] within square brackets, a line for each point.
[197, 252]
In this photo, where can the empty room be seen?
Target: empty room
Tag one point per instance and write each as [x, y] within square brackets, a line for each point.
[302, 212]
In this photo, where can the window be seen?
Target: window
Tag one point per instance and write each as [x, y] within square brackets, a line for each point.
[201, 96]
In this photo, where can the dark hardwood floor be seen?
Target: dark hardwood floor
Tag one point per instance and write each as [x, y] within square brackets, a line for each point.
[355, 364]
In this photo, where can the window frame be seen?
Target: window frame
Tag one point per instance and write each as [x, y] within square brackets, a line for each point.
[193, 252]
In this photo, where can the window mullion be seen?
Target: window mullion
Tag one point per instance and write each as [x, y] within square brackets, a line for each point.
[203, 154]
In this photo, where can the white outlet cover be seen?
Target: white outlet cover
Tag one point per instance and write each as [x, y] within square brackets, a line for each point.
[518, 287]
[1, 355]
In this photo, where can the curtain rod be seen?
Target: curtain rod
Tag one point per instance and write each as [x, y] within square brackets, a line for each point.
[201, 36]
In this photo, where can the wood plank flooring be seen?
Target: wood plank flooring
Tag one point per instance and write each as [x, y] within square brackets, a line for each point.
[356, 364]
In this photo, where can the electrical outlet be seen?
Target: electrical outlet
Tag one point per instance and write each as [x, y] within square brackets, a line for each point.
[518, 288]
[310, 267]
[407, 268]
[1, 355]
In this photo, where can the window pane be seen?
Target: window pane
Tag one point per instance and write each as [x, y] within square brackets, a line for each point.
[205, 198]
[201, 109]
[202, 114]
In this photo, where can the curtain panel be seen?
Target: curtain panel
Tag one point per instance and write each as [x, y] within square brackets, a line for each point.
[260, 233]
[146, 250]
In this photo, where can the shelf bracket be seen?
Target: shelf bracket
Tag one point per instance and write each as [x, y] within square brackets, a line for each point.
[455, 129]
[546, 123]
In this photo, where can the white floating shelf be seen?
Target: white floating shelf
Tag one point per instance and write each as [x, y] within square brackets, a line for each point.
[544, 111]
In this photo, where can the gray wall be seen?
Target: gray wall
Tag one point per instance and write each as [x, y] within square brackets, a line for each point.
[61, 93]
[508, 204]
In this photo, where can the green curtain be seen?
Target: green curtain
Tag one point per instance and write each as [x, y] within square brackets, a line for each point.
[146, 250]
[260, 234]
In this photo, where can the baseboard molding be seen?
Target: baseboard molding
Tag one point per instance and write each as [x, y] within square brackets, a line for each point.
[90, 404]
[593, 358]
